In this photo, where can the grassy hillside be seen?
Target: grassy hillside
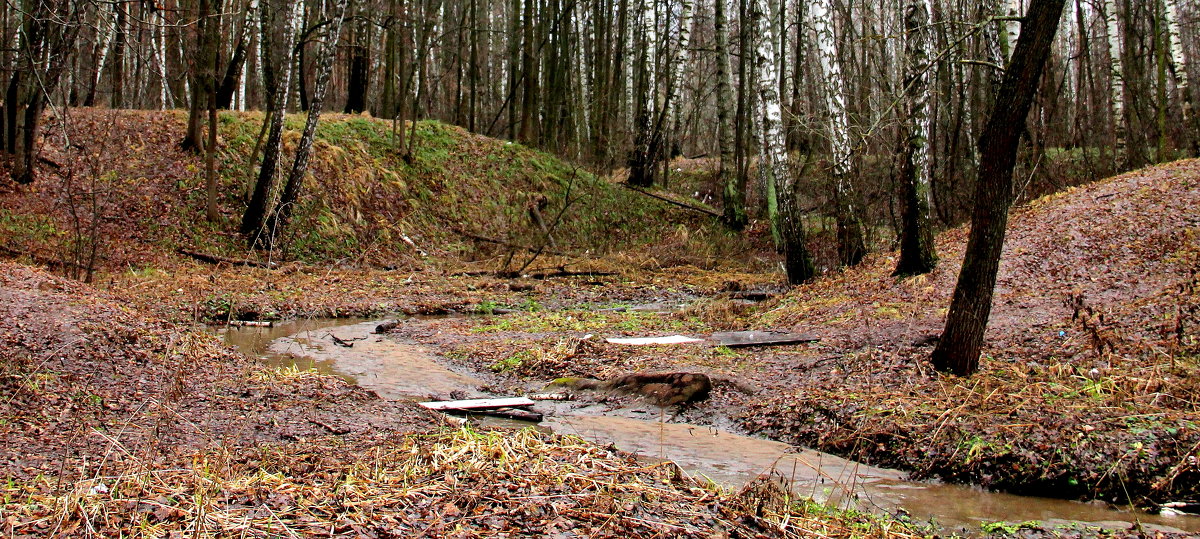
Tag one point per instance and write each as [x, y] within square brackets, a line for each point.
[116, 180]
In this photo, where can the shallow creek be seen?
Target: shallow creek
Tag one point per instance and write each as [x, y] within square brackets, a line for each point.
[399, 370]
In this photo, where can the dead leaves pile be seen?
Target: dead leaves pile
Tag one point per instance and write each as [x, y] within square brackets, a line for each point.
[456, 483]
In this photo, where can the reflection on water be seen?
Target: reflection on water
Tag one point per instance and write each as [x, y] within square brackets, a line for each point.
[386, 366]
[398, 370]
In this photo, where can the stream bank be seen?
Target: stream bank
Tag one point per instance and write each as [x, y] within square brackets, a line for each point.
[398, 369]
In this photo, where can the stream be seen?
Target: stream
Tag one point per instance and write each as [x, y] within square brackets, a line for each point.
[398, 370]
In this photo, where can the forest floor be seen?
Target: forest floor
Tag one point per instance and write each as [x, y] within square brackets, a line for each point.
[132, 419]
[115, 423]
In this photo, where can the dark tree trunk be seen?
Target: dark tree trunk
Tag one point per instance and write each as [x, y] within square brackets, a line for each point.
[360, 63]
[233, 70]
[958, 349]
[118, 58]
[734, 191]
[43, 36]
[277, 64]
[917, 254]
[204, 74]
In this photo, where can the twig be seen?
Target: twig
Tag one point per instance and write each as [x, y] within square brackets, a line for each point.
[698, 209]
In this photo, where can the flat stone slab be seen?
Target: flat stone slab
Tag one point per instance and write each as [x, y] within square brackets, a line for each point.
[736, 339]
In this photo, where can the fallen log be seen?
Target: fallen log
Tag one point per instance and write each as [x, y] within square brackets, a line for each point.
[505, 413]
[645, 341]
[251, 323]
[503, 243]
[685, 206]
[217, 259]
[479, 404]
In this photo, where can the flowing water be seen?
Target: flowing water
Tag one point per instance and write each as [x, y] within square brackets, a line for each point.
[397, 370]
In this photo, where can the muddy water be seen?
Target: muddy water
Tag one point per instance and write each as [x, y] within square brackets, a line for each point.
[398, 370]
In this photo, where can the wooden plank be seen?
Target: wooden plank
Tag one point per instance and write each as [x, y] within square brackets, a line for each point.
[479, 404]
[644, 341]
[737, 339]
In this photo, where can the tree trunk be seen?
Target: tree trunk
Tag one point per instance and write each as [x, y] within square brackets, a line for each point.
[644, 156]
[233, 71]
[291, 190]
[851, 247]
[277, 61]
[958, 349]
[917, 254]
[1180, 65]
[734, 194]
[797, 260]
[360, 62]
[1117, 81]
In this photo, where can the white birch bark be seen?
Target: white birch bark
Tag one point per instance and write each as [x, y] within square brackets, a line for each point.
[166, 100]
[834, 87]
[850, 241]
[916, 242]
[681, 59]
[109, 36]
[649, 51]
[1117, 74]
[774, 156]
[1179, 59]
[1012, 26]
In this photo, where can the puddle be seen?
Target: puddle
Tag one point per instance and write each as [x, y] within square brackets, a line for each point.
[397, 370]
[392, 369]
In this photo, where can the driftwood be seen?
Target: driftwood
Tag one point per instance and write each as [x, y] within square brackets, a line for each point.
[685, 206]
[478, 404]
[649, 341]
[560, 396]
[344, 343]
[506, 413]
[251, 323]
[217, 259]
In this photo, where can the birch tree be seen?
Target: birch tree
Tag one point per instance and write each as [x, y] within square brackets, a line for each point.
[917, 254]
[278, 221]
[774, 156]
[277, 77]
[851, 247]
[1117, 82]
[1180, 65]
[733, 189]
[645, 147]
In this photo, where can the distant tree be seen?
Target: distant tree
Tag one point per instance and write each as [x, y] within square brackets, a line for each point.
[733, 189]
[958, 349]
[47, 31]
[851, 245]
